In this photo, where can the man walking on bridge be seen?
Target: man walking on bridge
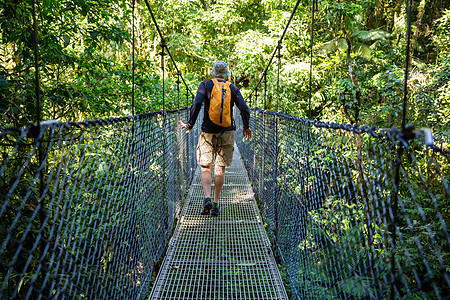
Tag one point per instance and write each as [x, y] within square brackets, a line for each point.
[216, 141]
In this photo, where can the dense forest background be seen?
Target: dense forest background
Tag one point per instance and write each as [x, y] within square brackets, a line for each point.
[85, 57]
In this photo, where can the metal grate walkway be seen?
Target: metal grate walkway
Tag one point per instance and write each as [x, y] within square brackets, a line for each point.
[224, 257]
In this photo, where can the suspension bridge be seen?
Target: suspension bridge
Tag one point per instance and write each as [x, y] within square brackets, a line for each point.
[109, 209]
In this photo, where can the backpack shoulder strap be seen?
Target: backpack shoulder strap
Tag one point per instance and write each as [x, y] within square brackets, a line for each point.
[233, 91]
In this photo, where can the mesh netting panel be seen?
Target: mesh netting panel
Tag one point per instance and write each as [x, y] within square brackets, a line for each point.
[352, 212]
[102, 216]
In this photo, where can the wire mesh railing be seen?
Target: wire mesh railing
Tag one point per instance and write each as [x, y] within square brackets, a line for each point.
[91, 215]
[352, 212]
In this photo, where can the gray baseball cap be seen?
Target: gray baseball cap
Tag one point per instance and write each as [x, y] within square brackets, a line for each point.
[220, 69]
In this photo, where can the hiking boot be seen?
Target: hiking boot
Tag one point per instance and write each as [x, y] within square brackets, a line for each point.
[215, 211]
[206, 207]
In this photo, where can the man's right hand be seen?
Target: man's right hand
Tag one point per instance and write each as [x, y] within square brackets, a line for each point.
[247, 133]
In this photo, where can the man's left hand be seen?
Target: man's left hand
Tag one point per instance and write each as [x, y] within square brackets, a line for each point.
[183, 125]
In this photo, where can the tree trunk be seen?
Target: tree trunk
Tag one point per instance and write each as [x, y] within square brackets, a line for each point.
[352, 75]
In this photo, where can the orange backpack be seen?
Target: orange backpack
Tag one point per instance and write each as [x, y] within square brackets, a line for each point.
[219, 108]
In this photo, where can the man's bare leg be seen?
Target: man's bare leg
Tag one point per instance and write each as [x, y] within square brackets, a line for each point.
[219, 175]
[205, 178]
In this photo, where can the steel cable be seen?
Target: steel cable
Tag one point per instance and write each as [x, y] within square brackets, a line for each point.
[280, 41]
[165, 46]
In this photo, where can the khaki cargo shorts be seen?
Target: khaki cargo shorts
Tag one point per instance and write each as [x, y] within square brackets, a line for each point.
[216, 147]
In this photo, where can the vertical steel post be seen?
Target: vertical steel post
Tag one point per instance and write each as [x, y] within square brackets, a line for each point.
[133, 87]
[311, 59]
[265, 89]
[38, 137]
[400, 151]
[164, 167]
[278, 75]
[162, 54]
[178, 90]
[275, 186]
[133, 57]
[133, 112]
[36, 65]
[308, 161]
[276, 162]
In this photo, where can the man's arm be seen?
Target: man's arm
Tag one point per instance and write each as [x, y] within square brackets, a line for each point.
[245, 113]
[195, 108]
[197, 105]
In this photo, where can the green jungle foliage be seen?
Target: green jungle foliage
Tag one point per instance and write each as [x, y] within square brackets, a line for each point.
[85, 58]
[358, 55]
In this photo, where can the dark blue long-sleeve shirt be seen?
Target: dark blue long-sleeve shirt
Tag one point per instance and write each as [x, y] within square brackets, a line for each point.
[204, 96]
